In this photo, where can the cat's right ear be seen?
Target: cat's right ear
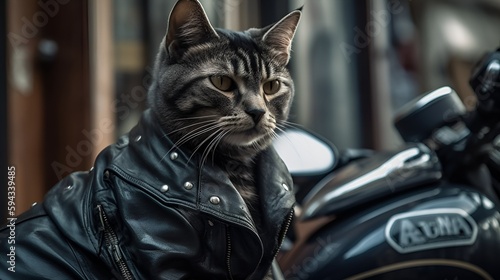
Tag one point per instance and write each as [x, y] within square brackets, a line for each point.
[188, 25]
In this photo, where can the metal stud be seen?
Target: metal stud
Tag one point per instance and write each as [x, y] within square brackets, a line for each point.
[69, 187]
[91, 169]
[106, 174]
[285, 186]
[164, 188]
[188, 185]
[174, 156]
[138, 138]
[215, 200]
[210, 223]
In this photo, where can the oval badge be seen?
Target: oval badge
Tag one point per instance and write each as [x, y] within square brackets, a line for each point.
[430, 229]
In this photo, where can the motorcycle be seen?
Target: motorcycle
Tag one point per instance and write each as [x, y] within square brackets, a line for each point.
[428, 210]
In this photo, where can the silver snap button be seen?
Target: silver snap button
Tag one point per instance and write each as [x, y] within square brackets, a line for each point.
[210, 223]
[215, 200]
[138, 138]
[34, 204]
[106, 174]
[174, 156]
[69, 187]
[164, 188]
[285, 186]
[188, 185]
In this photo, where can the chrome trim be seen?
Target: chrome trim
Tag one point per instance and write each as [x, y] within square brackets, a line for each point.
[372, 178]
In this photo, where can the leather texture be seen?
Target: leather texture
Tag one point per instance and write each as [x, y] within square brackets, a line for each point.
[119, 220]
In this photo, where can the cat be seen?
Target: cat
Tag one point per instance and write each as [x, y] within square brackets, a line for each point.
[194, 190]
[223, 92]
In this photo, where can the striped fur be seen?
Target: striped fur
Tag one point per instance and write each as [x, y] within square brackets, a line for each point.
[218, 125]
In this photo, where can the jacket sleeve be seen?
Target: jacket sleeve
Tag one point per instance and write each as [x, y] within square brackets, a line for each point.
[38, 250]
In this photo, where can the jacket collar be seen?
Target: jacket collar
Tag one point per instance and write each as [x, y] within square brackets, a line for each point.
[150, 160]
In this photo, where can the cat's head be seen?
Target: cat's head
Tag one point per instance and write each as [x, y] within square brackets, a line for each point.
[221, 89]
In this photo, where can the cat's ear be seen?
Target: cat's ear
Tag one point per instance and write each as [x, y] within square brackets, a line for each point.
[188, 25]
[280, 35]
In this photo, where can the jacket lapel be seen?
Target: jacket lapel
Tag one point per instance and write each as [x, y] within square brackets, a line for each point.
[277, 198]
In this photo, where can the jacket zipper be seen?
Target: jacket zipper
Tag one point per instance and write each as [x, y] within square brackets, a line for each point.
[282, 237]
[112, 244]
[228, 256]
[283, 233]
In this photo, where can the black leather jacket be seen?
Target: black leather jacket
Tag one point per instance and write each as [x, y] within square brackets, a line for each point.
[147, 212]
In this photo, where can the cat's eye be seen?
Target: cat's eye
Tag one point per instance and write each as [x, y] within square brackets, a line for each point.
[223, 83]
[271, 87]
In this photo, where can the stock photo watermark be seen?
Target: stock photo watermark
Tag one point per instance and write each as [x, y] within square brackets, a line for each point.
[122, 107]
[31, 26]
[363, 37]
[228, 6]
[75, 155]
[325, 249]
[11, 219]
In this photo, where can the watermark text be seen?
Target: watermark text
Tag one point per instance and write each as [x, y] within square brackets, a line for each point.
[11, 219]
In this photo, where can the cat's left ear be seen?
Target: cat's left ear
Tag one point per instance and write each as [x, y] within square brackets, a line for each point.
[279, 37]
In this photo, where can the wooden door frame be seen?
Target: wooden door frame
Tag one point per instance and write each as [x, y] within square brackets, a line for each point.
[3, 110]
[48, 118]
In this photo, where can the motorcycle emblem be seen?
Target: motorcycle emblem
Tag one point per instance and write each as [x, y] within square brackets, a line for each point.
[430, 229]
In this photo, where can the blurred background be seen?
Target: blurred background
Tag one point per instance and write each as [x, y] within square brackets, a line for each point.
[74, 73]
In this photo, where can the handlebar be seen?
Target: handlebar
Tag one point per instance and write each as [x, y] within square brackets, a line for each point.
[463, 141]
[485, 81]
[484, 121]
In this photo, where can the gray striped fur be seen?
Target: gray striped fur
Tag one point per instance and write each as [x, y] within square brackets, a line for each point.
[212, 124]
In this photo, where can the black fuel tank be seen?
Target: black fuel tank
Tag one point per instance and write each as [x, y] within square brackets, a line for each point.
[441, 231]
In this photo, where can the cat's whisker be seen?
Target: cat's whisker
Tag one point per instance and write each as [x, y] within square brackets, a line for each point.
[284, 134]
[204, 141]
[191, 135]
[280, 129]
[291, 124]
[255, 145]
[274, 135]
[220, 137]
[284, 126]
[207, 149]
[195, 133]
[212, 145]
[191, 125]
[205, 123]
[196, 118]
[294, 146]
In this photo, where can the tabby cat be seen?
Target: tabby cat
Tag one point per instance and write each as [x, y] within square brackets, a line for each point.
[215, 205]
[223, 94]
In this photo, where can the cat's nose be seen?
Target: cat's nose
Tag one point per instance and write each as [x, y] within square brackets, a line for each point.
[256, 114]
